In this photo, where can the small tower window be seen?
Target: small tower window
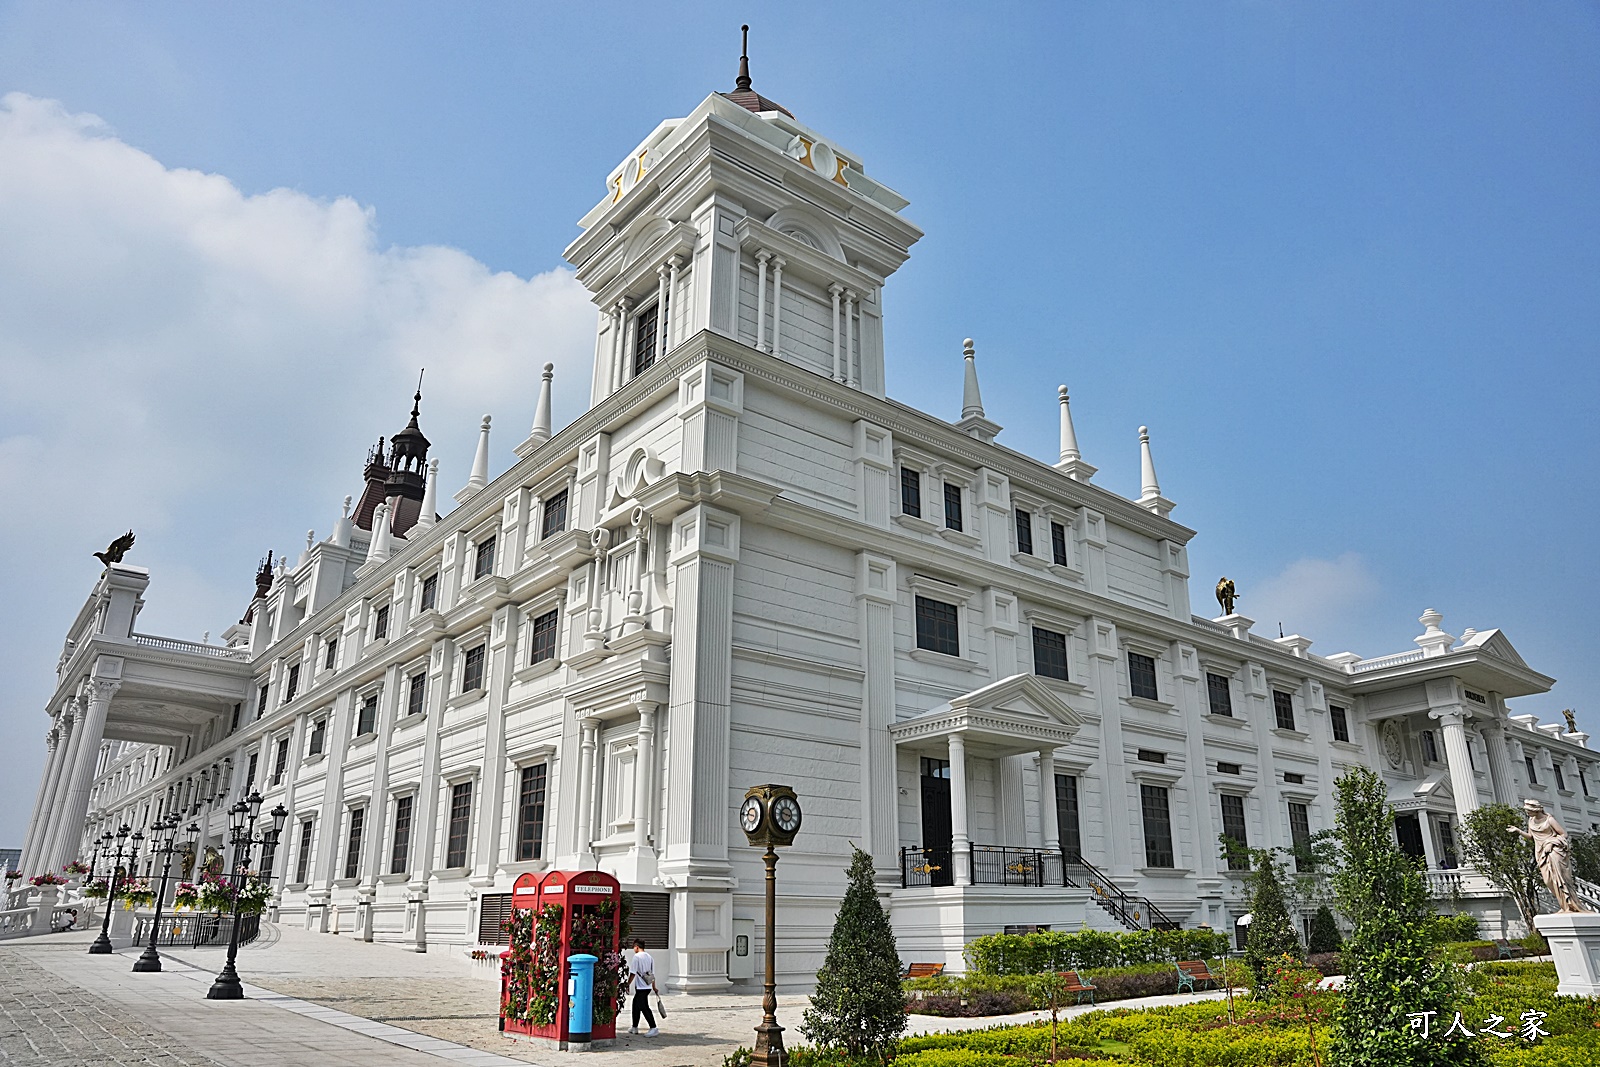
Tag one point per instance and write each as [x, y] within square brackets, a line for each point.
[646, 330]
[952, 506]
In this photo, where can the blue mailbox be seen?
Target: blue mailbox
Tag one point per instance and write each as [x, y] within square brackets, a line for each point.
[580, 996]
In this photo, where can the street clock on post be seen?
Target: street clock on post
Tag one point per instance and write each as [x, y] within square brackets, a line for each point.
[770, 816]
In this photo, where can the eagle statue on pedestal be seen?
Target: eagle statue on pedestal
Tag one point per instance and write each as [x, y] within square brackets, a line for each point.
[116, 549]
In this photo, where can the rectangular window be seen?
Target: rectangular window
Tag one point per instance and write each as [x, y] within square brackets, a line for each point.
[430, 593]
[1150, 755]
[1049, 653]
[1300, 834]
[544, 636]
[646, 326]
[1024, 532]
[1058, 544]
[952, 507]
[1067, 817]
[937, 630]
[367, 715]
[1224, 767]
[555, 515]
[416, 693]
[235, 724]
[1142, 676]
[1341, 722]
[1430, 747]
[269, 857]
[455, 851]
[910, 492]
[1447, 845]
[352, 848]
[261, 701]
[250, 773]
[330, 654]
[1533, 779]
[1157, 826]
[1233, 828]
[483, 561]
[1219, 694]
[530, 813]
[472, 669]
[302, 863]
[1283, 709]
[292, 685]
[280, 762]
[319, 733]
[400, 850]
[1294, 778]
[380, 623]
[1583, 779]
[1561, 781]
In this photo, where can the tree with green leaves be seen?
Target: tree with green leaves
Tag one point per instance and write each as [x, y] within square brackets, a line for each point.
[1324, 931]
[1270, 936]
[859, 1006]
[1389, 962]
[1505, 859]
[1585, 855]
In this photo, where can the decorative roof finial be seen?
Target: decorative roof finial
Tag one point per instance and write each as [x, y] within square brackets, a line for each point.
[971, 399]
[742, 83]
[541, 410]
[1150, 497]
[416, 401]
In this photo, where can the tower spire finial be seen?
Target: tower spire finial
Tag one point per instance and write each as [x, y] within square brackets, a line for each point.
[416, 401]
[742, 83]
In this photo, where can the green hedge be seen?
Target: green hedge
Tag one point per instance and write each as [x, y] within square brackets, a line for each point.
[1053, 950]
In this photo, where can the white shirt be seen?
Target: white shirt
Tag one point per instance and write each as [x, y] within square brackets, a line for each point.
[643, 968]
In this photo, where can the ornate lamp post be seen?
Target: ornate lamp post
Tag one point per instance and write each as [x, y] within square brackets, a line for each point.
[241, 834]
[102, 944]
[164, 842]
[770, 816]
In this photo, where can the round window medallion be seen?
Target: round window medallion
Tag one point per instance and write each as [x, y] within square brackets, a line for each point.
[1391, 744]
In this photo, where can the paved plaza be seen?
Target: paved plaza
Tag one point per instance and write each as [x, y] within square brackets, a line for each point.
[319, 999]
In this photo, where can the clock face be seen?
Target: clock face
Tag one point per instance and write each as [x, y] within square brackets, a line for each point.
[786, 814]
[750, 814]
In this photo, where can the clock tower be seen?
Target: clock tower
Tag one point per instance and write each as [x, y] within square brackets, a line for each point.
[741, 220]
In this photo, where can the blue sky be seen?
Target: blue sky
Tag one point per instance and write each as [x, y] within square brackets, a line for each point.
[1342, 259]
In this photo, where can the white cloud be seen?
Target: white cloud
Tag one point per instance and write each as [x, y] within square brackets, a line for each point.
[1328, 600]
[209, 368]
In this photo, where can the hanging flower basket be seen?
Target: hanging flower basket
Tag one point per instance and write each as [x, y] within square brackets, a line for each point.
[12, 876]
[136, 893]
[95, 889]
[187, 895]
[76, 867]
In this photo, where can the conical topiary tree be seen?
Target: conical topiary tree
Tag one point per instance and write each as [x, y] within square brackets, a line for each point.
[858, 1006]
[1324, 931]
[1270, 935]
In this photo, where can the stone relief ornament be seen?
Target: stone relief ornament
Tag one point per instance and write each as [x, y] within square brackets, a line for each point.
[1392, 749]
[1552, 854]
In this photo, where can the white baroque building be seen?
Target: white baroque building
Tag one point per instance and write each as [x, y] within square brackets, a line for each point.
[745, 564]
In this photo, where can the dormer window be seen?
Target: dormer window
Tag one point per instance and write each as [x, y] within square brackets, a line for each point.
[646, 332]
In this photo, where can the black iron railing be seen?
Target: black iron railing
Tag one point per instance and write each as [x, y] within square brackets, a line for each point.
[920, 867]
[1000, 865]
[195, 929]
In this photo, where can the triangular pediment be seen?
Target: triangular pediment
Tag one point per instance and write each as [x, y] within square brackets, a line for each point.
[1023, 696]
[1495, 643]
[1016, 714]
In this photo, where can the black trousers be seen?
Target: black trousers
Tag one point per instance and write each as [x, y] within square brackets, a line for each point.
[641, 1005]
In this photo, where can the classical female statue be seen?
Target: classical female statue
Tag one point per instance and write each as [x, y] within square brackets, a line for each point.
[1552, 854]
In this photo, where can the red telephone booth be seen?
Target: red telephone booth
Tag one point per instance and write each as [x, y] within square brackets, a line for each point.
[560, 915]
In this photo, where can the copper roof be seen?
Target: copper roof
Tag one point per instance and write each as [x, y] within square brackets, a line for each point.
[742, 94]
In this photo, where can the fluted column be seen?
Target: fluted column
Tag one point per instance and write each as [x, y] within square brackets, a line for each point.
[1505, 784]
[836, 291]
[644, 765]
[36, 821]
[1047, 800]
[66, 753]
[777, 304]
[850, 376]
[1462, 783]
[761, 299]
[960, 843]
[88, 748]
[585, 820]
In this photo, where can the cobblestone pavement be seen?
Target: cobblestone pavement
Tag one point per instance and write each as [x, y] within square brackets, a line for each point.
[48, 1020]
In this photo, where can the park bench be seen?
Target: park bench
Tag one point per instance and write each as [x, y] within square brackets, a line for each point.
[1077, 985]
[923, 970]
[1192, 971]
[1504, 945]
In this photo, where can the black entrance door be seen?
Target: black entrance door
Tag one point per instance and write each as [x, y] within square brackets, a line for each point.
[936, 832]
[1408, 829]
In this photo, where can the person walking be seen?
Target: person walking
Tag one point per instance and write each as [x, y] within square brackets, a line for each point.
[642, 971]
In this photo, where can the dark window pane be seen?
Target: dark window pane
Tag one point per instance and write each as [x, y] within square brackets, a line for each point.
[472, 669]
[332, 655]
[530, 813]
[952, 507]
[935, 768]
[302, 865]
[380, 623]
[1157, 826]
[544, 637]
[417, 693]
[1219, 694]
[367, 715]
[261, 701]
[292, 685]
[280, 761]
[1430, 750]
[250, 774]
[430, 592]
[319, 732]
[1142, 676]
[1283, 709]
[1049, 653]
[1233, 828]
[1447, 845]
[400, 851]
[352, 850]
[1067, 817]
[1024, 532]
[936, 627]
[1341, 722]
[483, 562]
[455, 853]
[910, 492]
[1533, 779]
[1058, 544]
[1561, 781]
[1300, 834]
[645, 328]
[555, 514]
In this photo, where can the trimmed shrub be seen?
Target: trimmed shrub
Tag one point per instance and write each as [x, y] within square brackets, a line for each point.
[1088, 950]
[858, 1006]
[1446, 928]
[1324, 932]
